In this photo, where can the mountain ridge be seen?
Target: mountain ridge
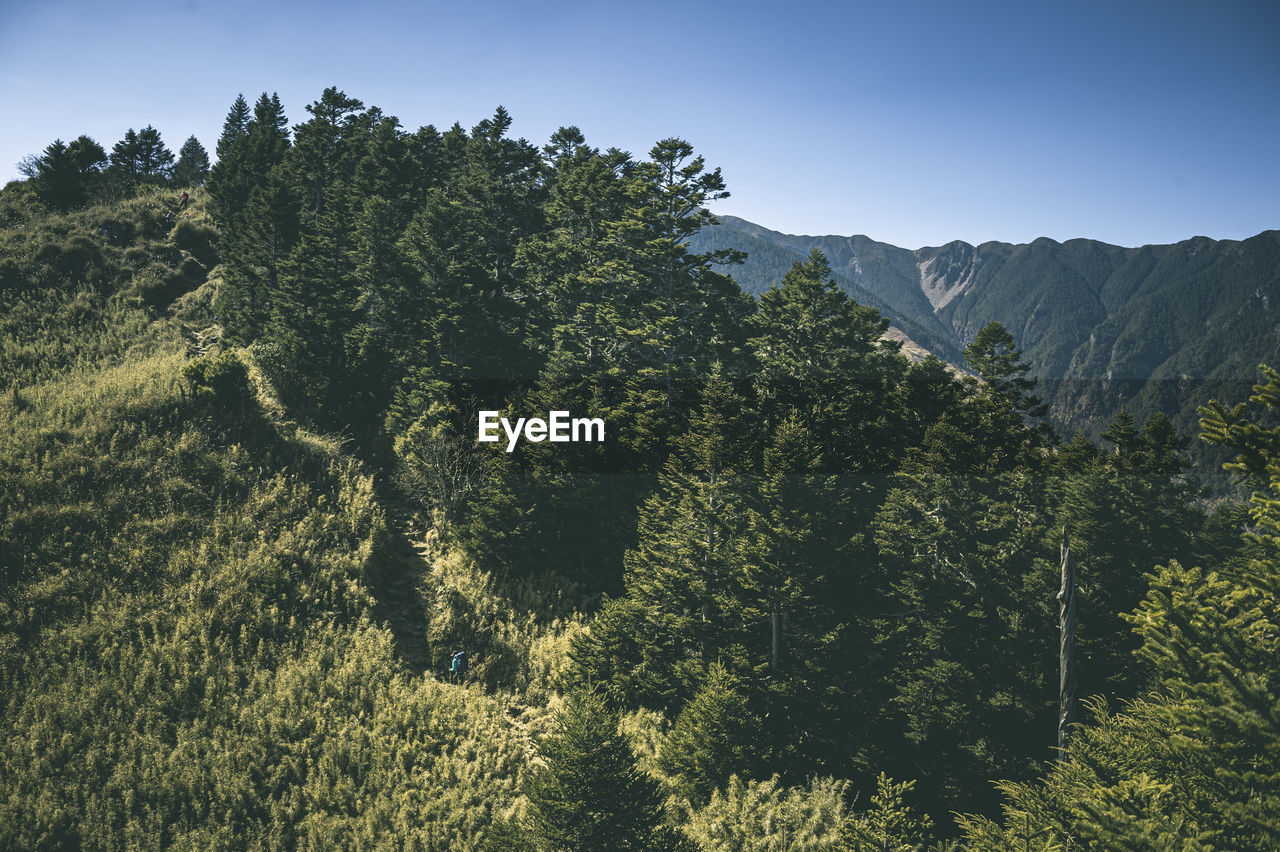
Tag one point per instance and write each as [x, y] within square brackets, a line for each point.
[1159, 327]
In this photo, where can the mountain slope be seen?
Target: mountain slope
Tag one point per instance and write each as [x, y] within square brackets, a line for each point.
[189, 656]
[1160, 327]
[871, 273]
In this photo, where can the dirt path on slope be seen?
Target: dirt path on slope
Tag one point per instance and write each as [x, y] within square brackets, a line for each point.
[398, 591]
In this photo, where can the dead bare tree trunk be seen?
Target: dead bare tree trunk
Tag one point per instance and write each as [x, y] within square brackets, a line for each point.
[777, 642]
[1066, 647]
[708, 572]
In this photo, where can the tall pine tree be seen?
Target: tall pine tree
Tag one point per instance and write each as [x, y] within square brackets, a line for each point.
[590, 796]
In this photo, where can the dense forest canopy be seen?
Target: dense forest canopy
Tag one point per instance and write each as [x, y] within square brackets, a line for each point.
[802, 596]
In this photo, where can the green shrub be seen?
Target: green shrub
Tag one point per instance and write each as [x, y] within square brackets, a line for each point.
[193, 271]
[220, 383]
[766, 816]
[197, 239]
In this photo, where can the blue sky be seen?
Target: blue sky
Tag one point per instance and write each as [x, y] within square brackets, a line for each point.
[912, 122]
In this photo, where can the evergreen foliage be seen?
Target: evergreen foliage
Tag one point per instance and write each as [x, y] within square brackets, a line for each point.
[890, 825]
[245, 522]
[712, 739]
[139, 158]
[589, 794]
[1191, 765]
[769, 815]
[193, 164]
[66, 175]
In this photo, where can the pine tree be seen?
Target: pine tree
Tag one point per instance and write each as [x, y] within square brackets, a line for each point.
[635, 319]
[590, 795]
[233, 127]
[1006, 397]
[193, 164]
[784, 570]
[252, 200]
[713, 738]
[125, 156]
[226, 189]
[257, 246]
[889, 825]
[574, 271]
[1126, 512]
[684, 567]
[154, 159]
[623, 657]
[967, 623]
[141, 157]
[795, 626]
[681, 313]
[820, 353]
[250, 147]
[311, 314]
[821, 356]
[66, 174]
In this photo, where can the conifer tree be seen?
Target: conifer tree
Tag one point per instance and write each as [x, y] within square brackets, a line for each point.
[682, 570]
[1005, 399]
[124, 158]
[590, 795]
[259, 243]
[820, 353]
[154, 159]
[250, 147]
[66, 175]
[968, 622]
[795, 629]
[141, 157]
[714, 737]
[311, 314]
[258, 211]
[785, 568]
[635, 320]
[227, 194]
[193, 164]
[324, 152]
[234, 126]
[574, 270]
[691, 532]
[500, 178]
[1127, 511]
[623, 657]
[382, 342]
[889, 825]
[681, 314]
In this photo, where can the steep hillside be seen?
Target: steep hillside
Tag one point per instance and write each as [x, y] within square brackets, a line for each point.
[190, 648]
[871, 273]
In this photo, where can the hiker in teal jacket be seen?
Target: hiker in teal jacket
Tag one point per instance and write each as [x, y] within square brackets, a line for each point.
[458, 667]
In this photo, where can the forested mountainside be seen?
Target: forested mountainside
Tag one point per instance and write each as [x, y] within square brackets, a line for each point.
[802, 596]
[1157, 328]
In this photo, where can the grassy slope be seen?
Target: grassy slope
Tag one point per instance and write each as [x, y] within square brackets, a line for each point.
[188, 653]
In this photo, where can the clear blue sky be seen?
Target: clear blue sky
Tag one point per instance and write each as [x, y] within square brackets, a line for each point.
[912, 122]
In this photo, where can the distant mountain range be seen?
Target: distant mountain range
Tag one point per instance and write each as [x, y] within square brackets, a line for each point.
[1160, 327]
